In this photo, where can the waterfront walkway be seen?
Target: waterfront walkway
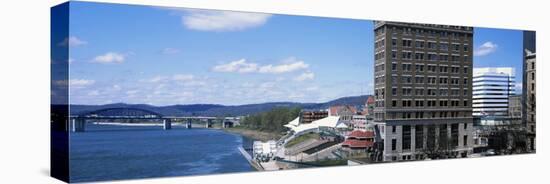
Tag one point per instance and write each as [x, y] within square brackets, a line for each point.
[250, 160]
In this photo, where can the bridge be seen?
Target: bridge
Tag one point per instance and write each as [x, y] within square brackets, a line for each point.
[78, 122]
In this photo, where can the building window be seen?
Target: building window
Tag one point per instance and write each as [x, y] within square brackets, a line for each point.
[432, 57]
[465, 103]
[393, 144]
[394, 91]
[454, 135]
[465, 140]
[419, 92]
[432, 45]
[407, 91]
[456, 47]
[407, 43]
[406, 80]
[465, 126]
[419, 103]
[419, 68]
[455, 58]
[419, 44]
[393, 129]
[532, 76]
[443, 92]
[444, 57]
[394, 103]
[406, 67]
[406, 143]
[431, 68]
[419, 137]
[442, 80]
[432, 92]
[393, 66]
[444, 46]
[419, 80]
[406, 55]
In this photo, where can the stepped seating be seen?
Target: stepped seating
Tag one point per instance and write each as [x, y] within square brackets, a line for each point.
[321, 147]
[306, 145]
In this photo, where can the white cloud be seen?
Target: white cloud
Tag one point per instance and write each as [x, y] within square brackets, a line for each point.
[283, 68]
[209, 20]
[485, 49]
[132, 92]
[72, 41]
[267, 85]
[76, 83]
[183, 77]
[296, 96]
[110, 57]
[81, 82]
[305, 76]
[116, 87]
[168, 51]
[240, 66]
[93, 93]
[312, 88]
[177, 80]
[155, 79]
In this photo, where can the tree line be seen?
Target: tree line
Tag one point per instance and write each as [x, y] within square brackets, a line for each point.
[271, 121]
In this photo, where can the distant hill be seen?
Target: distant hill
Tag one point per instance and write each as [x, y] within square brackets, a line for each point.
[220, 110]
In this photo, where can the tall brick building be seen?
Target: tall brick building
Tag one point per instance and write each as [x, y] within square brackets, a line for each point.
[423, 89]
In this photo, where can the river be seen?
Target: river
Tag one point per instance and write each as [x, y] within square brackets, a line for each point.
[113, 152]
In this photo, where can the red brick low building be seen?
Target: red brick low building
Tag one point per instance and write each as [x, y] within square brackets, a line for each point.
[359, 139]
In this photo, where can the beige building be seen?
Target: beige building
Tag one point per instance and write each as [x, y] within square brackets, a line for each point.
[514, 106]
[529, 86]
[423, 89]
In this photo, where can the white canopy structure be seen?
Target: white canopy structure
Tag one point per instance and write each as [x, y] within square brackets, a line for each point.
[330, 122]
[294, 123]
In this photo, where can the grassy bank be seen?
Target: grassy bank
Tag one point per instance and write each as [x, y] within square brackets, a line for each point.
[302, 138]
[254, 134]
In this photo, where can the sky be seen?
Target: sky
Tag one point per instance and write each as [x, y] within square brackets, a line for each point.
[165, 56]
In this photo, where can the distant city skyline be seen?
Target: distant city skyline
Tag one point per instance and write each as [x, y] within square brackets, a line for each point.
[166, 56]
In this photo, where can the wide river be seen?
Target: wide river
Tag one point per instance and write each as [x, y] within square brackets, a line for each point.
[113, 152]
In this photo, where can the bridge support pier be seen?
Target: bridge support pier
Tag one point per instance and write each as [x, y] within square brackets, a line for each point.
[78, 125]
[208, 123]
[227, 124]
[167, 124]
[189, 124]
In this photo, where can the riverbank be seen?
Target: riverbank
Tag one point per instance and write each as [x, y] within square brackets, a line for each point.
[254, 134]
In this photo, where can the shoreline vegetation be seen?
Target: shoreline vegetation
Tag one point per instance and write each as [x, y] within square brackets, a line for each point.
[268, 125]
[254, 134]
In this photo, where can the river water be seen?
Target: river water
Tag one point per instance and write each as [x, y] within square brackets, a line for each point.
[111, 152]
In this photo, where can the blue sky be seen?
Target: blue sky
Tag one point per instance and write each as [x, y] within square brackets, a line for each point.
[499, 48]
[164, 56]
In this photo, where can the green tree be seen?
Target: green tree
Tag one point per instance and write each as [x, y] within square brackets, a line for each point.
[272, 120]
